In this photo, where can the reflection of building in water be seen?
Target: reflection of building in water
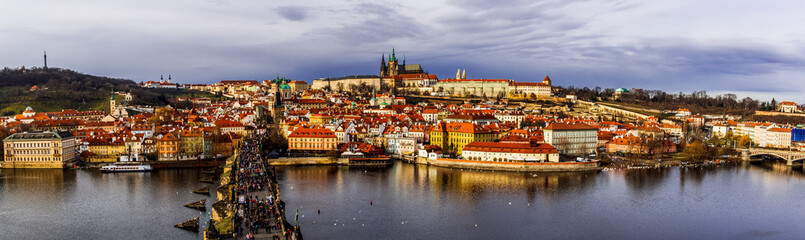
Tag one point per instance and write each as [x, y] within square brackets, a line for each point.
[45, 183]
[477, 182]
[321, 175]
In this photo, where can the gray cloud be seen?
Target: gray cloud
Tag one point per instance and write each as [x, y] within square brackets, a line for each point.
[610, 43]
[293, 13]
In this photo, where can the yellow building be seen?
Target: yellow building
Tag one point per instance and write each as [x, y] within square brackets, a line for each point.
[320, 119]
[105, 149]
[38, 150]
[192, 142]
[452, 137]
[168, 147]
[312, 139]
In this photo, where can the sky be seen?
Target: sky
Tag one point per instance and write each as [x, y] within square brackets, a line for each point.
[751, 48]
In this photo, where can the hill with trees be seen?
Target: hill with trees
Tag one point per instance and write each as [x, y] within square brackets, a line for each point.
[58, 89]
[697, 101]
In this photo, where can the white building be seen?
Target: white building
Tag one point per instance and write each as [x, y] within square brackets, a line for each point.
[39, 150]
[778, 138]
[788, 107]
[509, 152]
[572, 138]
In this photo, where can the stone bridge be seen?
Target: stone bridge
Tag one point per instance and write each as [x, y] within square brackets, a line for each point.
[790, 157]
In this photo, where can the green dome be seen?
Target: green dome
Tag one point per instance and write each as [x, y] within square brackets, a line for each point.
[384, 104]
[285, 86]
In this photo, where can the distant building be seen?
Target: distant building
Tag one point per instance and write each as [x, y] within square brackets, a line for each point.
[344, 82]
[572, 138]
[788, 107]
[510, 152]
[620, 93]
[392, 68]
[531, 89]
[298, 85]
[475, 87]
[39, 150]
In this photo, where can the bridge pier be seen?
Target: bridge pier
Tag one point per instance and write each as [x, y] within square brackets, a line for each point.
[745, 155]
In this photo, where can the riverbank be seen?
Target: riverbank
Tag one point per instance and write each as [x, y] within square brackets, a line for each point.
[513, 166]
[616, 162]
[208, 163]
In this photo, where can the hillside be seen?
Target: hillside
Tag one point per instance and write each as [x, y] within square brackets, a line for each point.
[67, 89]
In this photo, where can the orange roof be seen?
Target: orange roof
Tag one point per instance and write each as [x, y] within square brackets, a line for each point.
[780, 130]
[574, 126]
[474, 80]
[529, 84]
[168, 137]
[316, 132]
[509, 147]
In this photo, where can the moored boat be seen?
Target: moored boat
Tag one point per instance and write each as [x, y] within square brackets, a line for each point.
[121, 167]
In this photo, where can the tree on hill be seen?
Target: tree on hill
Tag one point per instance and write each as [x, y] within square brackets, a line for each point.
[67, 89]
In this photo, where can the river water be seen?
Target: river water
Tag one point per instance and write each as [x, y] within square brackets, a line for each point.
[750, 201]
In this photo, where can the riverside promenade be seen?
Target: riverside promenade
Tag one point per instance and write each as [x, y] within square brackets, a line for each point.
[259, 212]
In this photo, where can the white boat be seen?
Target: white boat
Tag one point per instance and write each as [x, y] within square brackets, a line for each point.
[117, 167]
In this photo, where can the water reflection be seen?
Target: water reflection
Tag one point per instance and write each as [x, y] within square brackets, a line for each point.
[438, 180]
[85, 204]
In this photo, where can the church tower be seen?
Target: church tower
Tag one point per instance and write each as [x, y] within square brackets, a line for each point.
[278, 108]
[112, 103]
[383, 72]
[392, 64]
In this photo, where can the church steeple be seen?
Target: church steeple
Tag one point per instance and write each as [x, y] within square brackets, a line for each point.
[393, 57]
[383, 65]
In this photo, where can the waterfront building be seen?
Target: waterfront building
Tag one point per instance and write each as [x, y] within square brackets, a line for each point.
[510, 152]
[312, 139]
[452, 137]
[639, 145]
[168, 147]
[39, 150]
[192, 142]
[572, 138]
[778, 138]
[104, 149]
[399, 145]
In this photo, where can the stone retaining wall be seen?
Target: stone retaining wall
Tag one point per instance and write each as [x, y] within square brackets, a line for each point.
[521, 167]
[301, 161]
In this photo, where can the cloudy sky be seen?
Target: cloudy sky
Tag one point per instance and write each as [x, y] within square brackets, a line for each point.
[752, 48]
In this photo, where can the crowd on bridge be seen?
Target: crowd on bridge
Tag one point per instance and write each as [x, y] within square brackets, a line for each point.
[255, 203]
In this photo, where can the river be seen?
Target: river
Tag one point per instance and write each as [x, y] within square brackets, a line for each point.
[748, 201]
